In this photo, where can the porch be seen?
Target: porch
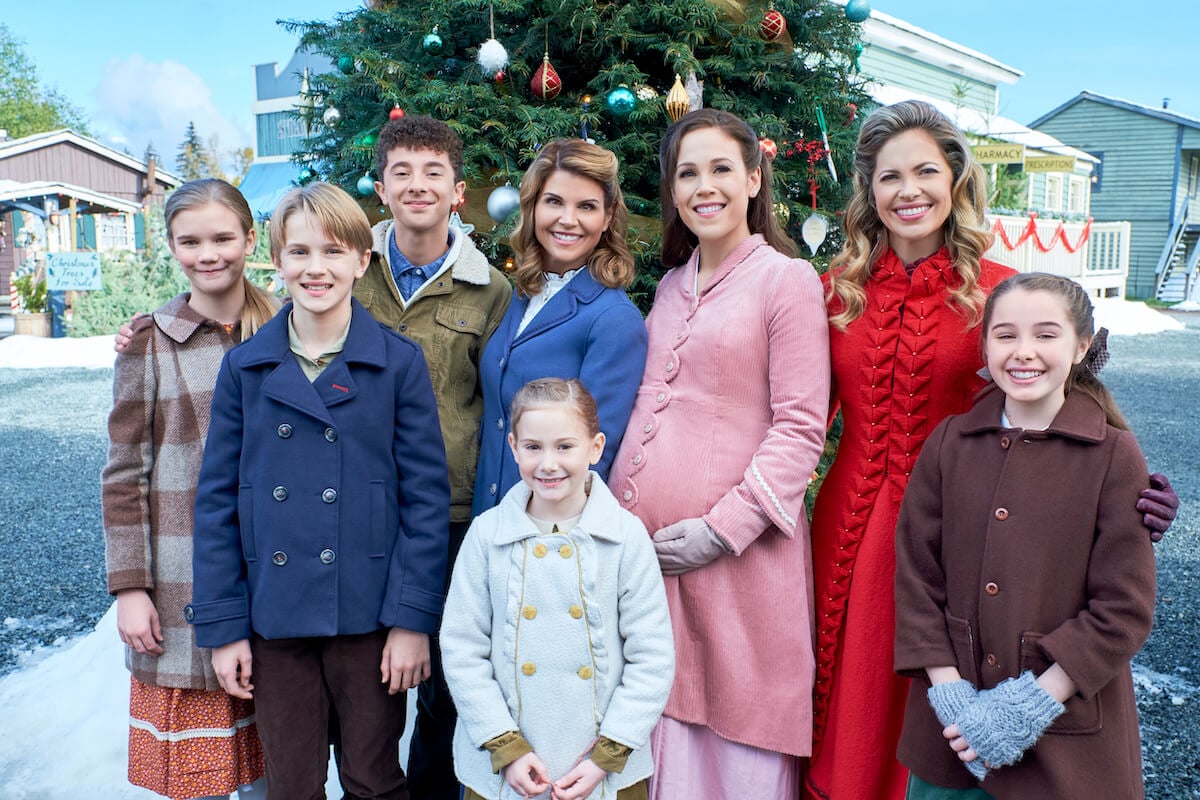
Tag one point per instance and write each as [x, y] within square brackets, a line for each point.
[1093, 254]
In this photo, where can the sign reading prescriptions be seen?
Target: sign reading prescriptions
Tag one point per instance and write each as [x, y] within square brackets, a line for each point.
[67, 272]
[999, 153]
[1050, 164]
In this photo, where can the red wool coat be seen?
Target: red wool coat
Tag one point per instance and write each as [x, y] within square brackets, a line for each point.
[905, 364]
[1019, 549]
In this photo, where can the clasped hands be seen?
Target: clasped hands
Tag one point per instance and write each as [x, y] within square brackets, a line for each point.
[528, 776]
[994, 727]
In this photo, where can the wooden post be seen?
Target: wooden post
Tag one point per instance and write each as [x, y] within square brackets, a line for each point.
[71, 215]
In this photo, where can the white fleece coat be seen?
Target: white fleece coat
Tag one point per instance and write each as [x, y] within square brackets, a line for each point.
[564, 638]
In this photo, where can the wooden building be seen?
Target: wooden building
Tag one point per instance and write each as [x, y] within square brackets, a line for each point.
[1150, 175]
[74, 193]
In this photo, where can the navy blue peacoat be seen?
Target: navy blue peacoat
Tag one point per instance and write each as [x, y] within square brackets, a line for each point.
[322, 507]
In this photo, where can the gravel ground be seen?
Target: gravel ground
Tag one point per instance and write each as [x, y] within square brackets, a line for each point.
[53, 446]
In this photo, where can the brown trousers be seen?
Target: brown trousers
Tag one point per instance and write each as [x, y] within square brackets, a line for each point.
[296, 683]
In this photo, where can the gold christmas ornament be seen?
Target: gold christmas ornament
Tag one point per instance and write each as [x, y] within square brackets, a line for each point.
[782, 213]
[677, 100]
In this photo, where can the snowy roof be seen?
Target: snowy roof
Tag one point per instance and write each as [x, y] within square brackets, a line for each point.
[15, 190]
[38, 141]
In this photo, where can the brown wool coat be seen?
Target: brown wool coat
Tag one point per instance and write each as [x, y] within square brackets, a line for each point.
[1017, 549]
[452, 319]
[162, 391]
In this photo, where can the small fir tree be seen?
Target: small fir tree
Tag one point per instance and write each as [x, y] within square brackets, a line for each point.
[422, 58]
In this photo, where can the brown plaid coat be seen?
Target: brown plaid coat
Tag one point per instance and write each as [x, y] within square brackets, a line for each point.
[162, 389]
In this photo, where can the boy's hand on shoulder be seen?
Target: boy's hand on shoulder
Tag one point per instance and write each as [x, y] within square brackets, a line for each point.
[528, 775]
[125, 333]
[405, 661]
[138, 622]
[579, 782]
[231, 662]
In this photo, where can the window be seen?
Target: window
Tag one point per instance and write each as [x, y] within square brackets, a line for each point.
[111, 233]
[1054, 190]
[1193, 175]
[1077, 196]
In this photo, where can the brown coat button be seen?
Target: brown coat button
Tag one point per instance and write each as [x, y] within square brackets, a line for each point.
[1005, 442]
[1002, 514]
[991, 588]
[990, 659]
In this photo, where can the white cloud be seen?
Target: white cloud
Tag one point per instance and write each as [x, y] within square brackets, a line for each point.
[138, 102]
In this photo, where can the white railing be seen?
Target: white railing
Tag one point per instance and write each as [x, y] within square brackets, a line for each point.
[1100, 262]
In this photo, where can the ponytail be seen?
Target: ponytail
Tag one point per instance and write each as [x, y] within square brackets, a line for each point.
[259, 307]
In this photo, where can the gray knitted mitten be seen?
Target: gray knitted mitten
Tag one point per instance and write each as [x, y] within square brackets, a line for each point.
[948, 701]
[1003, 722]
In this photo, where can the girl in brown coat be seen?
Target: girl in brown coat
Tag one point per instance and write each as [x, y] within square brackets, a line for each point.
[1024, 578]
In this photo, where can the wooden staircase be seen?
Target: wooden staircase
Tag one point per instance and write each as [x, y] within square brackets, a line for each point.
[1176, 274]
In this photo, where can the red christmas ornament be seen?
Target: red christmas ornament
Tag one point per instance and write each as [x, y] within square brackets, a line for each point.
[499, 76]
[769, 148]
[545, 83]
[773, 24]
[851, 113]
[396, 113]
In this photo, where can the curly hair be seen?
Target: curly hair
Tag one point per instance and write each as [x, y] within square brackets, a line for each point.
[417, 132]
[1080, 313]
[258, 306]
[678, 240]
[866, 236]
[611, 263]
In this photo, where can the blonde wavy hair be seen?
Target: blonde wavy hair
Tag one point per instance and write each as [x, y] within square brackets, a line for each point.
[611, 263]
[966, 236]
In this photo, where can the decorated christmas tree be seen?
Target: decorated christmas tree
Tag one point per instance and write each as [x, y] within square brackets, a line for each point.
[509, 75]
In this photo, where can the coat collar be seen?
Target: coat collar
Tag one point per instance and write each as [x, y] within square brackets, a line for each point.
[583, 288]
[1080, 417]
[179, 321]
[467, 264]
[599, 519]
[736, 256]
[929, 276]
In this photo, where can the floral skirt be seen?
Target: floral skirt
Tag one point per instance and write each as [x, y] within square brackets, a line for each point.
[187, 743]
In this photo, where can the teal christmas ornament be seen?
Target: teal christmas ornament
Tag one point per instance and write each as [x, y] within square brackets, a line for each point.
[503, 202]
[433, 44]
[307, 176]
[858, 10]
[621, 101]
[345, 65]
[365, 185]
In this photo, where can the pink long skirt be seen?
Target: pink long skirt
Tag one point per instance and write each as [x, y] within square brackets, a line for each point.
[693, 763]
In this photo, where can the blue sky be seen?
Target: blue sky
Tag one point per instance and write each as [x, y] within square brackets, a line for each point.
[142, 70]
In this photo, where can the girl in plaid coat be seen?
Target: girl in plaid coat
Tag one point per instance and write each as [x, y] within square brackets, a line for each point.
[187, 737]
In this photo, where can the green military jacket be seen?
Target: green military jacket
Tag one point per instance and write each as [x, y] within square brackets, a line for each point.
[451, 317]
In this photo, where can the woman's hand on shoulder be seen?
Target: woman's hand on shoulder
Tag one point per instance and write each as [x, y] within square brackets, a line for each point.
[125, 333]
[138, 623]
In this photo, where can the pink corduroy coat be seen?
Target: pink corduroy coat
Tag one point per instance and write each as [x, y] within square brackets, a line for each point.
[728, 425]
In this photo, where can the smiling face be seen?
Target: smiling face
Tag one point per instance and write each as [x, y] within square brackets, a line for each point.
[554, 450]
[211, 246]
[569, 219]
[712, 190]
[418, 187]
[912, 187]
[1031, 348]
[318, 270]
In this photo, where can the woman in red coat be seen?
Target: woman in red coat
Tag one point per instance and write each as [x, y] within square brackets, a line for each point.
[905, 297]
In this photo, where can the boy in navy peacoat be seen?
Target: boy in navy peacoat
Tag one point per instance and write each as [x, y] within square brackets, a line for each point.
[322, 514]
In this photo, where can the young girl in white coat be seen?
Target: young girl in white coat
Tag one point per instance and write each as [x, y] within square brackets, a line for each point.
[556, 639]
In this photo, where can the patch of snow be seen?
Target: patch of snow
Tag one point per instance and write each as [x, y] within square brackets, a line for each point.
[34, 352]
[1131, 317]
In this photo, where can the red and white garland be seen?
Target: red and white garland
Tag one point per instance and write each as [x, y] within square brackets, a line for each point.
[1031, 231]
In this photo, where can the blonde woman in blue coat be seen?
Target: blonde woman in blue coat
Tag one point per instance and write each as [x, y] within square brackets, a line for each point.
[570, 316]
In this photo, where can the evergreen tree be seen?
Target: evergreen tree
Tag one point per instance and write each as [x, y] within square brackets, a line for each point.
[388, 55]
[193, 160]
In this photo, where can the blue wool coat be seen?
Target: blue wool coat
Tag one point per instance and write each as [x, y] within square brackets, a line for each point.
[322, 507]
[586, 331]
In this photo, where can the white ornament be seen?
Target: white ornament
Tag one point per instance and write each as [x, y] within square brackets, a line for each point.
[695, 92]
[492, 57]
[813, 231]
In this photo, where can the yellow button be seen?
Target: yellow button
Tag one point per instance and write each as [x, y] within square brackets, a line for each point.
[585, 673]
[530, 612]
[576, 611]
[565, 551]
[539, 550]
[528, 668]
